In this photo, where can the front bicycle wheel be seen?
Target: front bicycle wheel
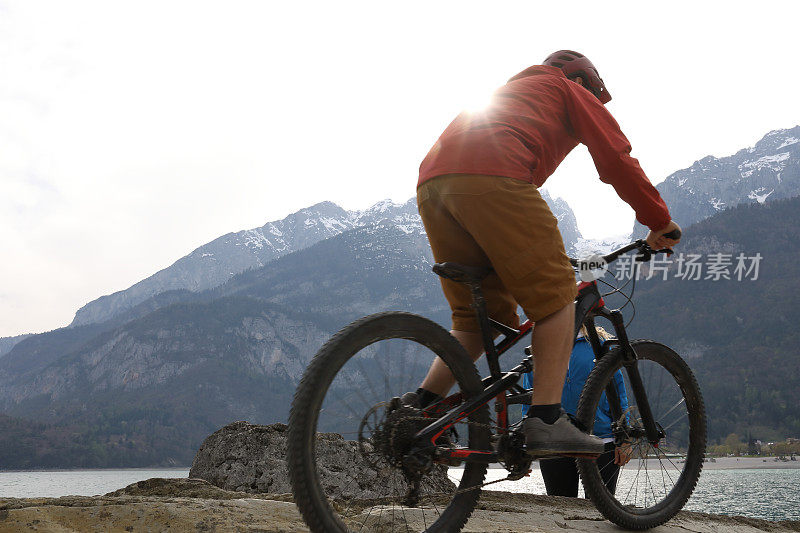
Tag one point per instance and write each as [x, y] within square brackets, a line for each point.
[349, 444]
[660, 476]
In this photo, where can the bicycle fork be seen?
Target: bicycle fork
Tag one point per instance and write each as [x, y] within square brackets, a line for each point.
[630, 361]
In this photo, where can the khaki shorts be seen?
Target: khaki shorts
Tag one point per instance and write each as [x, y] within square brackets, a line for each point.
[503, 222]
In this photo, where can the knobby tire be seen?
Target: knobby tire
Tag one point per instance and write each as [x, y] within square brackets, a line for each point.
[310, 498]
[633, 517]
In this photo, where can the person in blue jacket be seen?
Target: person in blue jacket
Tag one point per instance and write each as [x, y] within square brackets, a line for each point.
[561, 473]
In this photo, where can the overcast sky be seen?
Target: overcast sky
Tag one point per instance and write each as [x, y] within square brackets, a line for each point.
[133, 132]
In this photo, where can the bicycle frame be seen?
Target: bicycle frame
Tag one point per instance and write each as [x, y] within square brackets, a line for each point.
[588, 305]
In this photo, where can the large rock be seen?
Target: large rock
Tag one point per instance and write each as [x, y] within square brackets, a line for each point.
[246, 457]
[177, 488]
[179, 510]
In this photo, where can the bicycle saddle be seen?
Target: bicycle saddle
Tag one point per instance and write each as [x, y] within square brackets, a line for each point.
[461, 273]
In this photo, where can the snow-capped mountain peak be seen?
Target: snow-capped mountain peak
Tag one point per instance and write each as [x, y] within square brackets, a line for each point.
[760, 173]
[588, 247]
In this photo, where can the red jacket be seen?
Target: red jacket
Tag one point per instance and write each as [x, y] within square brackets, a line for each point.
[533, 122]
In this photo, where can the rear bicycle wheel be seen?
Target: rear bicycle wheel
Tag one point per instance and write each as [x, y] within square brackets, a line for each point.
[347, 440]
[659, 478]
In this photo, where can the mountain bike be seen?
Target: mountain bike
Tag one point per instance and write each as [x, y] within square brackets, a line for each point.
[398, 466]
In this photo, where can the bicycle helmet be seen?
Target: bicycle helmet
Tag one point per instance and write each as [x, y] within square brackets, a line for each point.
[576, 65]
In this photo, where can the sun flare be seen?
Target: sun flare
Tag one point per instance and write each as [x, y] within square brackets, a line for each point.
[477, 99]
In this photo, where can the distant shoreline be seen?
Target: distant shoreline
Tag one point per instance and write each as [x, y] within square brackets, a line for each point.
[736, 463]
[749, 463]
[109, 469]
[719, 463]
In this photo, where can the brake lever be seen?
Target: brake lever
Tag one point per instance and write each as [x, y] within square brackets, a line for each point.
[646, 253]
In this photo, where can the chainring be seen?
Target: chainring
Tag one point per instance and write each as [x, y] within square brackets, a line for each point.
[511, 450]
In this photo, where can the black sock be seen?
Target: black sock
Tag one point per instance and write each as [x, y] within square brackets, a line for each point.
[427, 397]
[548, 413]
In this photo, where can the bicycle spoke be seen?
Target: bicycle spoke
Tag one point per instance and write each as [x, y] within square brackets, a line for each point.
[367, 379]
[650, 485]
[677, 404]
[670, 461]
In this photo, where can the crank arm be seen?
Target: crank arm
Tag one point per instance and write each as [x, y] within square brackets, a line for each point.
[464, 455]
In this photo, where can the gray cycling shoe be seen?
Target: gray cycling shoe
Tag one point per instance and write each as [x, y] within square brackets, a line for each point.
[558, 438]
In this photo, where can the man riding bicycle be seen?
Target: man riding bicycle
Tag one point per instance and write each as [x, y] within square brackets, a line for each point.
[478, 199]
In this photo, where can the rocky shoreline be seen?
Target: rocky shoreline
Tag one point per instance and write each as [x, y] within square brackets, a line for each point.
[196, 505]
[239, 482]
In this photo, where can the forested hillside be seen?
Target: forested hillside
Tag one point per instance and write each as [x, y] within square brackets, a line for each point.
[742, 336]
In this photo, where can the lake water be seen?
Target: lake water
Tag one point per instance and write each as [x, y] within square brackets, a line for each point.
[52, 484]
[771, 493]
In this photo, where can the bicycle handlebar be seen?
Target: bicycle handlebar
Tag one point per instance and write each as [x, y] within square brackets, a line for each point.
[645, 252]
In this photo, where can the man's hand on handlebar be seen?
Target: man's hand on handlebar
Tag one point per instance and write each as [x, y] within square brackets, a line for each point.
[666, 238]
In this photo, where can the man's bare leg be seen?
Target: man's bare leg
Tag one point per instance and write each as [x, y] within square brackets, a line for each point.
[439, 379]
[547, 431]
[551, 345]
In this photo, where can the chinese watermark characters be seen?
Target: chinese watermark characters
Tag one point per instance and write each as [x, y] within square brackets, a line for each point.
[692, 267]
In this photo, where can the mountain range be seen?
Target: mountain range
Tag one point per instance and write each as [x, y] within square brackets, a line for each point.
[214, 263]
[142, 376]
[149, 391]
